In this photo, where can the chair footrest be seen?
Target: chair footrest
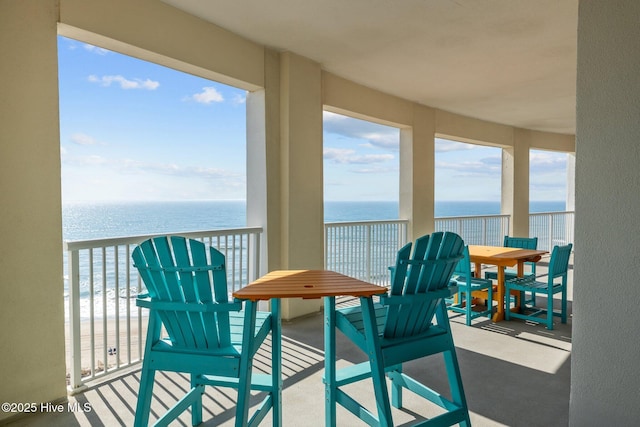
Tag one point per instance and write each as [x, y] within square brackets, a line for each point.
[260, 382]
[352, 374]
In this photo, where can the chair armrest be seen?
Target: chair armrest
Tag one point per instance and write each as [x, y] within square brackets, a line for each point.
[188, 307]
[421, 297]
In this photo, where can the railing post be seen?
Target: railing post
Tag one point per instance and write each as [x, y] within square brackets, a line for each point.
[550, 232]
[254, 266]
[76, 385]
[368, 256]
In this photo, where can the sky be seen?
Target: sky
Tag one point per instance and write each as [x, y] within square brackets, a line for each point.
[132, 130]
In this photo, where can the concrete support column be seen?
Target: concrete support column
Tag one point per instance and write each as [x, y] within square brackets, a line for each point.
[515, 183]
[301, 173]
[263, 164]
[417, 172]
[605, 341]
[571, 182]
[31, 290]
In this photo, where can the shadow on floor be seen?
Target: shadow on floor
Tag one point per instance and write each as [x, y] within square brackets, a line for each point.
[515, 374]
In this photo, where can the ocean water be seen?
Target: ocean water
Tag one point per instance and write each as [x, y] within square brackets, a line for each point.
[83, 221]
[108, 220]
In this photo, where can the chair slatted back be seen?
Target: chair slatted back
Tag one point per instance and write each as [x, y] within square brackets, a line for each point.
[177, 270]
[463, 268]
[421, 280]
[559, 263]
[522, 243]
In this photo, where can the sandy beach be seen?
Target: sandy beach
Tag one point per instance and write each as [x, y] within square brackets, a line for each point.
[109, 344]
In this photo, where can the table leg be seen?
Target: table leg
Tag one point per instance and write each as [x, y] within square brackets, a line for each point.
[520, 268]
[276, 361]
[520, 295]
[499, 314]
[330, 360]
[478, 270]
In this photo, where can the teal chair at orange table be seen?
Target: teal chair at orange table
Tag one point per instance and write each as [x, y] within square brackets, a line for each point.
[556, 282]
[409, 323]
[470, 287]
[522, 243]
[208, 336]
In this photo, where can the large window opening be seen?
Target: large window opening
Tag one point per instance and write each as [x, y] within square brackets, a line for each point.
[145, 148]
[467, 179]
[547, 181]
[361, 169]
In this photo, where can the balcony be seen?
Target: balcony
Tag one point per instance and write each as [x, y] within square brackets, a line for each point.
[510, 370]
[104, 325]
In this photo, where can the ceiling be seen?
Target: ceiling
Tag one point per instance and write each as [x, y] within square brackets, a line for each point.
[506, 61]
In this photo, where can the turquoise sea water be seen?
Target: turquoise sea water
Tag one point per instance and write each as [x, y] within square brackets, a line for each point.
[83, 221]
[107, 220]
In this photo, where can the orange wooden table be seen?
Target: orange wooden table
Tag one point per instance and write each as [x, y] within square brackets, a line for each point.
[311, 284]
[502, 257]
[306, 284]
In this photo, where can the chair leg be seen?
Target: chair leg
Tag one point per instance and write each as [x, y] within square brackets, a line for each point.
[564, 304]
[375, 359]
[468, 302]
[533, 298]
[276, 362]
[143, 407]
[246, 360]
[196, 407]
[453, 370]
[550, 311]
[396, 389]
[507, 303]
[455, 384]
[490, 301]
[330, 360]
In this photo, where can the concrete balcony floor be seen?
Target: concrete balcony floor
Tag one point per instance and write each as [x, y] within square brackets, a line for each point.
[515, 373]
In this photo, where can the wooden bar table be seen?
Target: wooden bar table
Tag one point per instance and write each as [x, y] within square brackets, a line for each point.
[502, 257]
[309, 284]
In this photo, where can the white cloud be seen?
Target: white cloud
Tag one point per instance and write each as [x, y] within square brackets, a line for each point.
[376, 135]
[125, 83]
[488, 166]
[239, 99]
[95, 49]
[376, 170]
[83, 139]
[544, 162]
[136, 167]
[348, 156]
[443, 146]
[208, 95]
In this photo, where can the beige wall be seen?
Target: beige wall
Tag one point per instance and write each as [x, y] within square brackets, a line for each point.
[155, 31]
[606, 342]
[32, 362]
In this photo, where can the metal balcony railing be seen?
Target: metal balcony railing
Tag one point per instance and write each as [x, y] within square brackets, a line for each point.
[477, 230]
[365, 249]
[106, 330]
[552, 228]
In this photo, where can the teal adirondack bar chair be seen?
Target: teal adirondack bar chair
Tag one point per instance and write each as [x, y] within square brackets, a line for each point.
[207, 336]
[409, 323]
[556, 282]
[470, 287]
[522, 243]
